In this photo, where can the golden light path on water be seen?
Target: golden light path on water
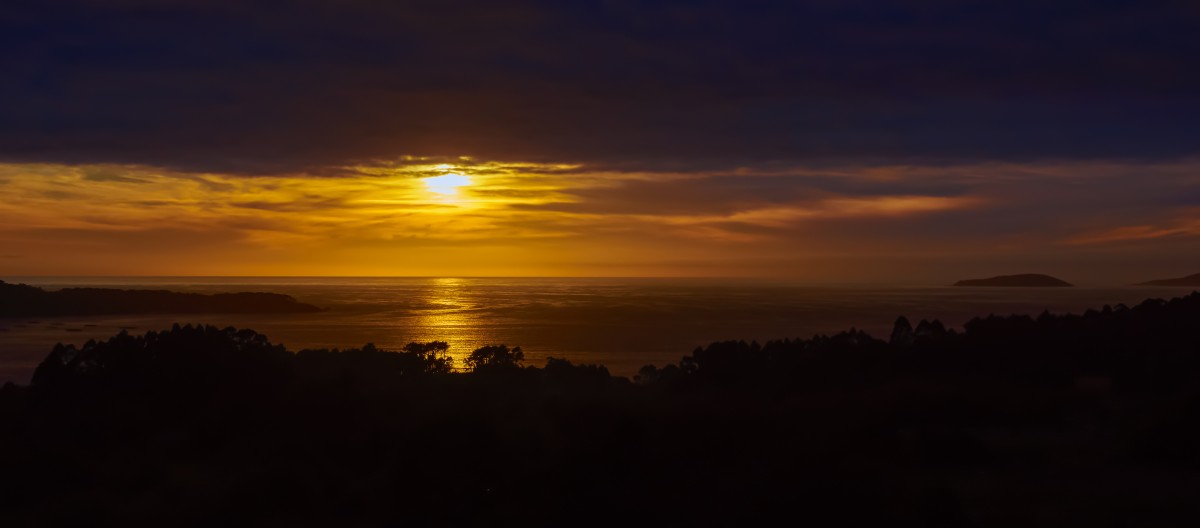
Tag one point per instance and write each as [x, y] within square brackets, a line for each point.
[450, 316]
[623, 324]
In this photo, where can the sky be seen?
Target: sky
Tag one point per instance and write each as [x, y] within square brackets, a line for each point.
[825, 141]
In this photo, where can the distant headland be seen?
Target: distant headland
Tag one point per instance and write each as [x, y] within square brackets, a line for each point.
[1026, 280]
[1190, 280]
[21, 300]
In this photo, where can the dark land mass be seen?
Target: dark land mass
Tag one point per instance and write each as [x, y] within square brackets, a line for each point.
[1054, 420]
[1190, 280]
[20, 300]
[1025, 280]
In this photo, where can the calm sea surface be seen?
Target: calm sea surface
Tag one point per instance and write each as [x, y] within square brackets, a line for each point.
[621, 323]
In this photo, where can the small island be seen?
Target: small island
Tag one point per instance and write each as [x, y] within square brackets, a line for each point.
[1190, 280]
[1026, 280]
[21, 300]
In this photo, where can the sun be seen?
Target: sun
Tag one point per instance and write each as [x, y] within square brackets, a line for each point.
[446, 184]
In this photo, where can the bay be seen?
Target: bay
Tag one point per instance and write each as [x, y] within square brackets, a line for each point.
[622, 323]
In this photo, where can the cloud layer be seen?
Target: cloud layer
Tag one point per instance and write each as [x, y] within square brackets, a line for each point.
[268, 87]
[849, 223]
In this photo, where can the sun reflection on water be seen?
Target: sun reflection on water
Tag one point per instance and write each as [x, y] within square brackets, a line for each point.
[449, 313]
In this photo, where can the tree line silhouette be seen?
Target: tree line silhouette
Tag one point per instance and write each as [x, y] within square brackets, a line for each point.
[1015, 419]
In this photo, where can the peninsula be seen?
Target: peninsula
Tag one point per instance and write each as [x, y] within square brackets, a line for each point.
[1190, 280]
[1026, 280]
[21, 300]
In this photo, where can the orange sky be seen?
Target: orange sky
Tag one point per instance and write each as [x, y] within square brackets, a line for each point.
[527, 219]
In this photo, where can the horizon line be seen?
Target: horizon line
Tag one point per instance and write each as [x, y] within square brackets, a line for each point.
[915, 282]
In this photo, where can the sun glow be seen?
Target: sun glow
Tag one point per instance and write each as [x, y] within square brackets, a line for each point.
[477, 218]
[446, 184]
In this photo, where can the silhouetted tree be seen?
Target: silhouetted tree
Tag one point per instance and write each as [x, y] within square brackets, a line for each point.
[646, 375]
[562, 373]
[902, 332]
[495, 356]
[434, 355]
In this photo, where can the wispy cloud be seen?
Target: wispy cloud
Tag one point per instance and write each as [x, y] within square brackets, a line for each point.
[1176, 228]
[529, 218]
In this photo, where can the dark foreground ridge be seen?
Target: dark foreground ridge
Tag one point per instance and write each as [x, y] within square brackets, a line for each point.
[1026, 280]
[20, 300]
[1055, 420]
[1190, 280]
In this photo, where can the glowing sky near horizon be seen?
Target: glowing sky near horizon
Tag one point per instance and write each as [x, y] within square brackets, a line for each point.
[429, 217]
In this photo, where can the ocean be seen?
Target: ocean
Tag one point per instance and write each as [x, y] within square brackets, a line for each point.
[621, 323]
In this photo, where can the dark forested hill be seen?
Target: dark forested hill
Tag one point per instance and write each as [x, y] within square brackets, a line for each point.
[1050, 420]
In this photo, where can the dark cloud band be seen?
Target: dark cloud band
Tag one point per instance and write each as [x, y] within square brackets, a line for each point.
[261, 87]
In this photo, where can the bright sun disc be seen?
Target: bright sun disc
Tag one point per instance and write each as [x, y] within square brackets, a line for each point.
[446, 184]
